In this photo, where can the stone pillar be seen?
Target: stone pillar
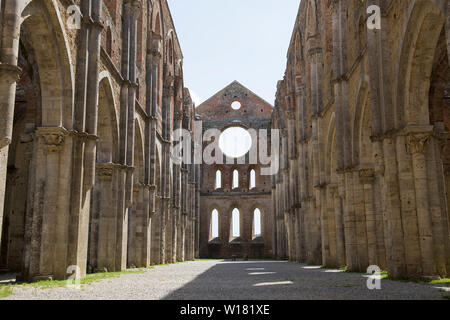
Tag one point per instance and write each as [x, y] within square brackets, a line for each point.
[9, 74]
[95, 30]
[156, 232]
[367, 179]
[416, 147]
[397, 267]
[103, 219]
[50, 141]
[338, 212]
[325, 234]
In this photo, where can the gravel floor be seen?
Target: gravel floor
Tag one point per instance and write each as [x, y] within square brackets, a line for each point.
[225, 280]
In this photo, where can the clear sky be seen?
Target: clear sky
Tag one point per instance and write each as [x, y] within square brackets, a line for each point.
[227, 40]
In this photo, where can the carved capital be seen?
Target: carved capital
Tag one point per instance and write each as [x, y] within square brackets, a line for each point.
[105, 170]
[291, 114]
[10, 70]
[367, 176]
[53, 138]
[416, 142]
[333, 188]
[4, 142]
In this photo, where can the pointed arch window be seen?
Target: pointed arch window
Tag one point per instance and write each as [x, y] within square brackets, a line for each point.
[236, 223]
[218, 179]
[257, 223]
[252, 179]
[235, 179]
[109, 41]
[214, 224]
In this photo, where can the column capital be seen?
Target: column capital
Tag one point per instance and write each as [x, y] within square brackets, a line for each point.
[10, 70]
[416, 142]
[290, 114]
[367, 176]
[333, 188]
[105, 170]
[53, 137]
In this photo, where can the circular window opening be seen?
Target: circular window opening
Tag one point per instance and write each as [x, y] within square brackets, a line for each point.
[235, 142]
[236, 105]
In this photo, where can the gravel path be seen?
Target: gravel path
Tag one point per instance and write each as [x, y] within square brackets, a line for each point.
[223, 280]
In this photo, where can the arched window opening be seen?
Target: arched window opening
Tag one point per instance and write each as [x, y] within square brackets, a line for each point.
[257, 223]
[252, 179]
[214, 224]
[235, 179]
[218, 179]
[236, 223]
[109, 41]
[170, 51]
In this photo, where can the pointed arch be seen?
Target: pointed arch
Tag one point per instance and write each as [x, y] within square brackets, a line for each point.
[42, 21]
[107, 118]
[214, 224]
[420, 37]
[139, 155]
[361, 110]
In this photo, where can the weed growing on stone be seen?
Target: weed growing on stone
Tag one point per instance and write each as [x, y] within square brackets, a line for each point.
[5, 291]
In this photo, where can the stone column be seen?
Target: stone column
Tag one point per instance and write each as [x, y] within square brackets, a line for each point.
[51, 142]
[325, 233]
[397, 267]
[103, 231]
[416, 146]
[9, 75]
[147, 225]
[367, 179]
[337, 207]
[95, 30]
[156, 229]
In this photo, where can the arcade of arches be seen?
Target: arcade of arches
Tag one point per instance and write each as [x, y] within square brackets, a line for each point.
[89, 177]
[364, 115]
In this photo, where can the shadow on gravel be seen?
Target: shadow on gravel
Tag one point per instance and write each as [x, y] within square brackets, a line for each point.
[228, 280]
[282, 280]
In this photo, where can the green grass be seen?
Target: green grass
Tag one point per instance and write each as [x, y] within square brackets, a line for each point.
[202, 260]
[446, 297]
[441, 281]
[90, 278]
[5, 291]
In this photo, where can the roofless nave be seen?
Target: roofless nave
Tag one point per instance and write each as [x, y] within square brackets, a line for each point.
[87, 169]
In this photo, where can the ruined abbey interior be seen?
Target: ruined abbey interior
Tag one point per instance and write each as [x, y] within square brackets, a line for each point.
[90, 101]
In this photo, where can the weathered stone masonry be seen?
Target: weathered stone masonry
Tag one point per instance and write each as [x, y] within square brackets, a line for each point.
[86, 122]
[365, 147]
[216, 113]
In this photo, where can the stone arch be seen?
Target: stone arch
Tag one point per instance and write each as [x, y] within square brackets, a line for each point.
[169, 46]
[210, 209]
[49, 76]
[139, 227]
[103, 200]
[261, 218]
[311, 19]
[420, 37]
[43, 23]
[157, 23]
[331, 151]
[361, 130]
[236, 214]
[139, 156]
[107, 118]
[298, 46]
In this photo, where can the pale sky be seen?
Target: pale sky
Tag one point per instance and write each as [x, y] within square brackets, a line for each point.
[227, 40]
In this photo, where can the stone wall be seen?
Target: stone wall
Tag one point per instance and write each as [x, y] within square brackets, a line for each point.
[365, 139]
[92, 92]
[217, 113]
